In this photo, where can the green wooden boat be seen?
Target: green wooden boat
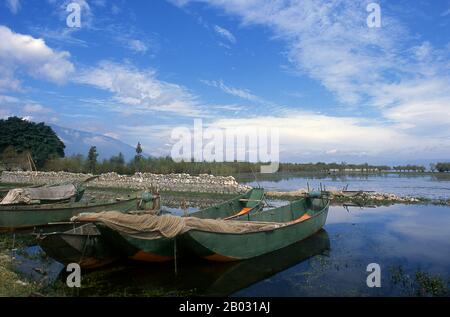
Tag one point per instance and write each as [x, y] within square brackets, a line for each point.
[200, 278]
[162, 249]
[14, 217]
[301, 219]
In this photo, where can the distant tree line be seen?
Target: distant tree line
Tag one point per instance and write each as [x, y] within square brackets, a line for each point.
[443, 167]
[409, 168]
[164, 165]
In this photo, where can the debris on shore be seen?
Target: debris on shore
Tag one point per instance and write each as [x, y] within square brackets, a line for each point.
[360, 198]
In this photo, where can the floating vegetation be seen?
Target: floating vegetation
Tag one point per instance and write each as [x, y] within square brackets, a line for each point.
[420, 283]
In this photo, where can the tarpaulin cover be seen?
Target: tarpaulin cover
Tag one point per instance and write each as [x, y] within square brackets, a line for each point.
[31, 195]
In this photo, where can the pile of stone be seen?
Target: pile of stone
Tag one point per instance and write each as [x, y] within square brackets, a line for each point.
[351, 196]
[202, 183]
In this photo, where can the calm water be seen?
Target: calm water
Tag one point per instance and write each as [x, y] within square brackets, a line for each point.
[402, 239]
[417, 185]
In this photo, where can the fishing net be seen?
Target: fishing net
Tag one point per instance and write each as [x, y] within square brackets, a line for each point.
[35, 195]
[148, 226]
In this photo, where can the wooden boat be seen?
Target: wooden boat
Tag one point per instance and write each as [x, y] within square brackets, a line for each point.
[299, 220]
[200, 278]
[82, 245]
[28, 216]
[162, 249]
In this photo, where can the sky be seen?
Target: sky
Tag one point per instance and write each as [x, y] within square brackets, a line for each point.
[335, 88]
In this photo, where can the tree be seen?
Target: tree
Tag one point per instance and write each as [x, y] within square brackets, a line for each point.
[117, 163]
[443, 167]
[92, 159]
[36, 138]
[138, 157]
[432, 167]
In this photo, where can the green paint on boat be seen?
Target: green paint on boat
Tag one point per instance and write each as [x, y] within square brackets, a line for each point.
[303, 218]
[29, 216]
[163, 249]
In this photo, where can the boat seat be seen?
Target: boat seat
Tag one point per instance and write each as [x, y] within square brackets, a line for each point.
[302, 218]
[240, 213]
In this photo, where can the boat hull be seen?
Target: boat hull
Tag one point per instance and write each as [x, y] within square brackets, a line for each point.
[82, 245]
[226, 247]
[20, 217]
[164, 249]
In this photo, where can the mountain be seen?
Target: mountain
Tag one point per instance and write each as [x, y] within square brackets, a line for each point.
[79, 142]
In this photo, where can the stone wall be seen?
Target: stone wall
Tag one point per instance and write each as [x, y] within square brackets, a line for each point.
[203, 183]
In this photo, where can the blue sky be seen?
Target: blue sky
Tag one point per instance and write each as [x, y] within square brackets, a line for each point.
[335, 88]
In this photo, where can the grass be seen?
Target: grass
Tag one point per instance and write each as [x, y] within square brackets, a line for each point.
[12, 284]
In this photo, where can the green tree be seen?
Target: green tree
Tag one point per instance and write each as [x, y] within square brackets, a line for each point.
[92, 159]
[443, 167]
[138, 157]
[117, 163]
[36, 138]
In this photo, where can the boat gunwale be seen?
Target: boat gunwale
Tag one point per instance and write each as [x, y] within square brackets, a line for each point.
[231, 200]
[287, 224]
[66, 233]
[52, 207]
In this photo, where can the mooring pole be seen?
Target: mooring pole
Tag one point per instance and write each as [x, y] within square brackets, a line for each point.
[175, 254]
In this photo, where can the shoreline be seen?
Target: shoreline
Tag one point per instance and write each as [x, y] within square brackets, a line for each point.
[358, 198]
[363, 198]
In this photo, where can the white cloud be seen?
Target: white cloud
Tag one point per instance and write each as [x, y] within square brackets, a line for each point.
[13, 6]
[8, 99]
[305, 134]
[136, 91]
[112, 135]
[137, 46]
[34, 108]
[225, 33]
[19, 51]
[237, 92]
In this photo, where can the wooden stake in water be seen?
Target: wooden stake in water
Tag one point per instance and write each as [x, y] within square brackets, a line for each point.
[175, 254]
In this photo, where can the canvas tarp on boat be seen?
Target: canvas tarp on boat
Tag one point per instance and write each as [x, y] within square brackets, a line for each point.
[32, 195]
[148, 226]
